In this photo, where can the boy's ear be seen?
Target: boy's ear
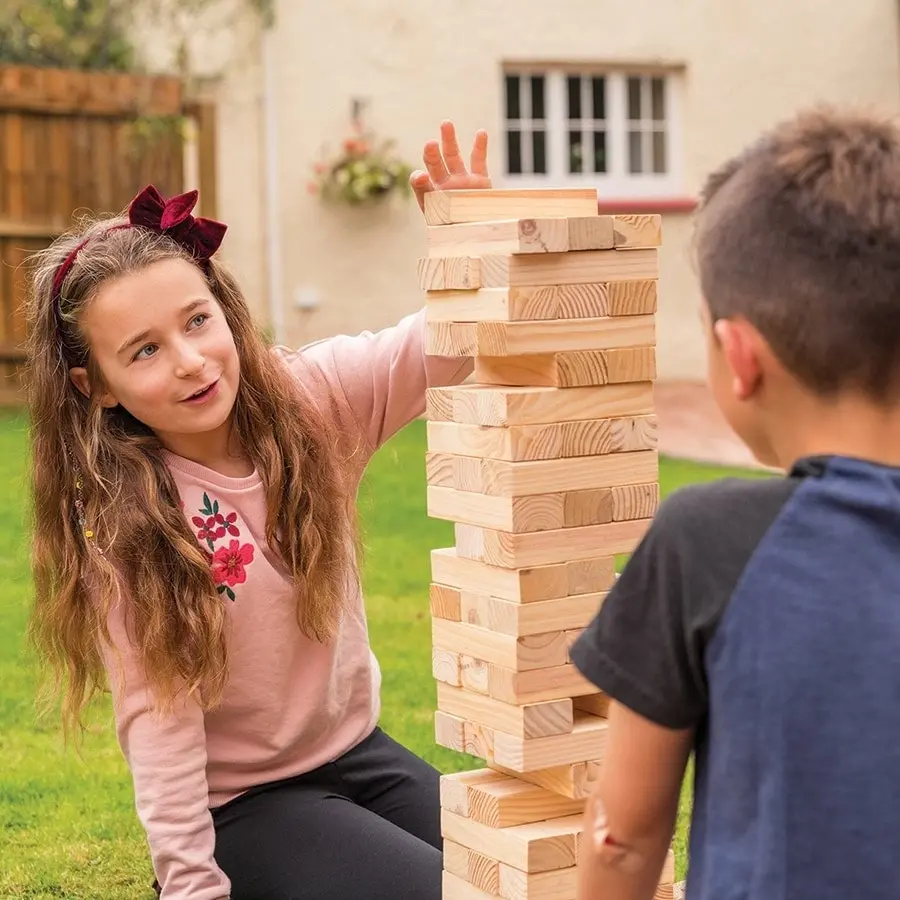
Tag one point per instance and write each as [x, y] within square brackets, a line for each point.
[740, 347]
[79, 377]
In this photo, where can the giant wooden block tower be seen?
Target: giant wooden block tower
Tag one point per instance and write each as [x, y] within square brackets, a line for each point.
[547, 464]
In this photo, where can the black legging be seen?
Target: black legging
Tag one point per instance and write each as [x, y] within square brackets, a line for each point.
[366, 825]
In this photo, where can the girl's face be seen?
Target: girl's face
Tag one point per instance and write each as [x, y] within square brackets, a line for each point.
[165, 352]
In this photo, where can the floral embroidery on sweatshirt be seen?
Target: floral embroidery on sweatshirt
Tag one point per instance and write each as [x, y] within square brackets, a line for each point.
[228, 561]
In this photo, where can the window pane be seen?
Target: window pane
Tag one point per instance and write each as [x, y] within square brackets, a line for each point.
[634, 153]
[514, 152]
[600, 151]
[574, 89]
[634, 98]
[659, 152]
[659, 103]
[513, 111]
[539, 152]
[598, 91]
[576, 152]
[537, 97]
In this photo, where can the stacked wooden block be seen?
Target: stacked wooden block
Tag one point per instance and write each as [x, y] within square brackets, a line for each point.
[546, 462]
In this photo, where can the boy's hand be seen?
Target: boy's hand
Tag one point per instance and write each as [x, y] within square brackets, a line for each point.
[445, 169]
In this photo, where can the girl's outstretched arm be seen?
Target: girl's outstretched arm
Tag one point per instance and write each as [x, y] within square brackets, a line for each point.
[631, 815]
[166, 755]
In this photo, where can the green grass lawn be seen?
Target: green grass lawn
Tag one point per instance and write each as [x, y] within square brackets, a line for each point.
[67, 823]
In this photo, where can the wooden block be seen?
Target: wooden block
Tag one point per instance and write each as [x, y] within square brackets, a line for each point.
[595, 704]
[518, 885]
[574, 368]
[532, 720]
[509, 550]
[449, 732]
[475, 404]
[455, 888]
[533, 847]
[590, 233]
[576, 780]
[454, 207]
[474, 674]
[501, 478]
[551, 683]
[572, 636]
[545, 235]
[520, 619]
[536, 651]
[635, 501]
[444, 602]
[586, 741]
[588, 267]
[588, 507]
[526, 585]
[454, 788]
[477, 870]
[555, 440]
[511, 801]
[637, 231]
[534, 513]
[536, 302]
[541, 336]
[445, 666]
[451, 273]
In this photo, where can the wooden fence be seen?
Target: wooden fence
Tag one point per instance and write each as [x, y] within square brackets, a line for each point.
[74, 142]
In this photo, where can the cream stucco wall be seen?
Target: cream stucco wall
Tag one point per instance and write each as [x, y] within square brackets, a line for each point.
[745, 65]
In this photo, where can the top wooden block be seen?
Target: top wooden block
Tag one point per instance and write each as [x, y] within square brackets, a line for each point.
[456, 207]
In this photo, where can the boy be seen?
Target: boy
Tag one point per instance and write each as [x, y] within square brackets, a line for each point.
[758, 623]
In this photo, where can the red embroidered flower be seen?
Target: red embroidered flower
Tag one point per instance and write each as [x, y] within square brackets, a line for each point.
[228, 563]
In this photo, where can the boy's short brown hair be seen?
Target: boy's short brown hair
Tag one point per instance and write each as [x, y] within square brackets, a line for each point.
[800, 235]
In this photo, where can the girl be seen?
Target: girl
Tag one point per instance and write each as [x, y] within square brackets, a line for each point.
[194, 542]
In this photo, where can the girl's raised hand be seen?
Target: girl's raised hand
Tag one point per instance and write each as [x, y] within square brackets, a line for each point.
[445, 169]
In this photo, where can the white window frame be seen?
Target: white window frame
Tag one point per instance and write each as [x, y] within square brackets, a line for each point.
[617, 182]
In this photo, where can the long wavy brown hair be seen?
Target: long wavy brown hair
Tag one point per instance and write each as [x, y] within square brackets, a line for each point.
[141, 550]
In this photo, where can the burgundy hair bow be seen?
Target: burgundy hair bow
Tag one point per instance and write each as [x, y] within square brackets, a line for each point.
[173, 217]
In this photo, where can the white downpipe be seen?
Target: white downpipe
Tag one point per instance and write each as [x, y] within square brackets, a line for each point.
[273, 207]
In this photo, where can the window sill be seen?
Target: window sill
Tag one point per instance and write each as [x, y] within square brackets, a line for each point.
[623, 206]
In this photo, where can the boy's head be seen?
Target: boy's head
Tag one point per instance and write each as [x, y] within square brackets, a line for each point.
[798, 249]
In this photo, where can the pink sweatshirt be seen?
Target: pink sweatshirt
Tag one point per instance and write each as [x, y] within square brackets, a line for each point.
[291, 705]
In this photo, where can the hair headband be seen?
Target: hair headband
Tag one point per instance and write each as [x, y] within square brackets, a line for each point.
[150, 210]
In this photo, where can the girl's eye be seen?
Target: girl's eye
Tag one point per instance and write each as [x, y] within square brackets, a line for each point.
[199, 319]
[141, 353]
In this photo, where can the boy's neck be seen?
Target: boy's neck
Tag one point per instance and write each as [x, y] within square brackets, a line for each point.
[849, 426]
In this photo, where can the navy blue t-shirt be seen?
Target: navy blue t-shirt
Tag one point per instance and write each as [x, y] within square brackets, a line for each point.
[766, 614]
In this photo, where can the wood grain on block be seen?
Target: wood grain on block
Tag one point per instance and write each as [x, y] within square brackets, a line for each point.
[588, 507]
[637, 231]
[476, 869]
[556, 440]
[552, 683]
[539, 548]
[449, 732]
[526, 721]
[535, 651]
[475, 404]
[571, 368]
[576, 780]
[544, 235]
[635, 501]
[518, 885]
[454, 788]
[501, 478]
[511, 801]
[444, 602]
[455, 888]
[533, 847]
[445, 666]
[455, 207]
[544, 301]
[590, 233]
[438, 405]
[595, 704]
[588, 267]
[451, 273]
[539, 336]
[530, 584]
[474, 674]
[519, 619]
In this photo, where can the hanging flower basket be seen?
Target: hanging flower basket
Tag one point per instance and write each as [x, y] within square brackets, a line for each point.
[365, 171]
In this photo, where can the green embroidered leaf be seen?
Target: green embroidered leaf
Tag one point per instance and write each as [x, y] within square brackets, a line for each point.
[207, 507]
[212, 546]
[221, 588]
[215, 508]
[229, 593]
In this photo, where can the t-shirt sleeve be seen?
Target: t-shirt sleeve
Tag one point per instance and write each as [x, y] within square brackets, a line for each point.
[641, 647]
[167, 759]
[384, 375]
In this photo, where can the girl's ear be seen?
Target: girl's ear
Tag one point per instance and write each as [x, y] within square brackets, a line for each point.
[79, 377]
